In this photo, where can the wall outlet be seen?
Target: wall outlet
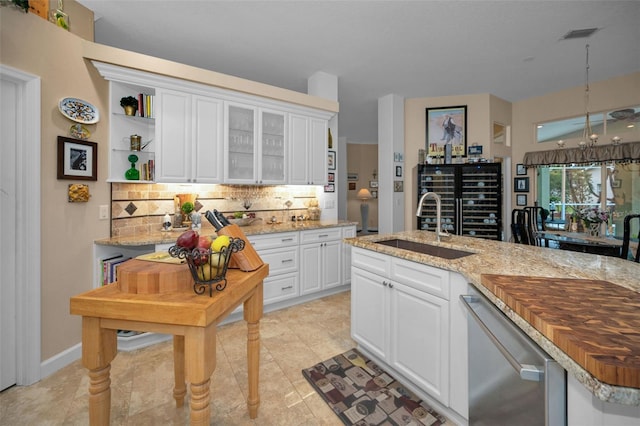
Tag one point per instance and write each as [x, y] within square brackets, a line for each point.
[104, 212]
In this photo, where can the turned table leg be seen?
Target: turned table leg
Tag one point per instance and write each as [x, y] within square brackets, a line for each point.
[252, 315]
[99, 347]
[180, 388]
[200, 362]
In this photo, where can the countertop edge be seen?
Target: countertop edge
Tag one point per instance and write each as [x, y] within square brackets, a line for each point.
[160, 237]
[472, 272]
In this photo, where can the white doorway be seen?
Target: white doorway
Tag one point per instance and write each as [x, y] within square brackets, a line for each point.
[19, 233]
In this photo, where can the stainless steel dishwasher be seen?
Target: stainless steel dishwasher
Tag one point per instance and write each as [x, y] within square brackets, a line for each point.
[512, 381]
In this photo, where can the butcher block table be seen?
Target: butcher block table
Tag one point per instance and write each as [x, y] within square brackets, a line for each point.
[595, 322]
[159, 298]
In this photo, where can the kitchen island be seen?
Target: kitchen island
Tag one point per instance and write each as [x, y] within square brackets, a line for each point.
[500, 258]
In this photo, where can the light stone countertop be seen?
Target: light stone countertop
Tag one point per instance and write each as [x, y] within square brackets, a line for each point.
[160, 237]
[503, 258]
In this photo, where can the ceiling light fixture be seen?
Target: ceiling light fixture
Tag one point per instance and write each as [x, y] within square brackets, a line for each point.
[587, 134]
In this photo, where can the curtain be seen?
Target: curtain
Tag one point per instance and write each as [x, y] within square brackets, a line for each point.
[621, 153]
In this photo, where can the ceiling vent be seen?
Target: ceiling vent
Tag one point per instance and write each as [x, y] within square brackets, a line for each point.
[583, 33]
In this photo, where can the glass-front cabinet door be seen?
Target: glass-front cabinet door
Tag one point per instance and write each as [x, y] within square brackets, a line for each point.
[240, 141]
[271, 167]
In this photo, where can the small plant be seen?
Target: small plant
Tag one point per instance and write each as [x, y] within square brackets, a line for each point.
[187, 208]
[129, 101]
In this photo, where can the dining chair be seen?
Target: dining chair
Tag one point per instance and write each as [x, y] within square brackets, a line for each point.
[536, 225]
[626, 252]
[520, 226]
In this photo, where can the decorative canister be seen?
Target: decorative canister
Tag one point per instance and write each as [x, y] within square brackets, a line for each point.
[314, 213]
[135, 142]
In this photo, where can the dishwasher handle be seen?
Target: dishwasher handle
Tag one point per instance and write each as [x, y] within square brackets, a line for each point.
[526, 371]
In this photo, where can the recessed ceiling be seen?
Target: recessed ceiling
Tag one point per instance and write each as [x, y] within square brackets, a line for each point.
[511, 49]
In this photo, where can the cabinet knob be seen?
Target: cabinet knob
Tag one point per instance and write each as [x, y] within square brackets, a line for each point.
[384, 283]
[390, 285]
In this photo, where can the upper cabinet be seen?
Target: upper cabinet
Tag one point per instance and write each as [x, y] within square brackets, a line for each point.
[254, 145]
[307, 150]
[195, 133]
[189, 138]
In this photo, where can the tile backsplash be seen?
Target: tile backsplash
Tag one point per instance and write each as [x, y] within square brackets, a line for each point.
[139, 208]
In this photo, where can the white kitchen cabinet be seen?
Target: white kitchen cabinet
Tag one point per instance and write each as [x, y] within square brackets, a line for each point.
[281, 252]
[255, 142]
[204, 134]
[400, 316]
[347, 232]
[189, 138]
[272, 160]
[320, 256]
[307, 150]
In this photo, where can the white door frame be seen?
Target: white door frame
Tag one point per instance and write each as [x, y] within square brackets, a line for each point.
[28, 258]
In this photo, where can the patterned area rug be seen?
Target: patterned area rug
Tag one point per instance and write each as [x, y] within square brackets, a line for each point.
[361, 393]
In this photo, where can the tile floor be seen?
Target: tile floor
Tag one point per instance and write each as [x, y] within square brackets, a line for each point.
[142, 381]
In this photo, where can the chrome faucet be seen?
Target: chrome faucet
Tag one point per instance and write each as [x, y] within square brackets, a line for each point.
[436, 197]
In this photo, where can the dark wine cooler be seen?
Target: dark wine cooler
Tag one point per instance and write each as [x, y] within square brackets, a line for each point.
[471, 198]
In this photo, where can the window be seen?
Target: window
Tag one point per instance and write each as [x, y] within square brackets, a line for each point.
[617, 122]
[569, 188]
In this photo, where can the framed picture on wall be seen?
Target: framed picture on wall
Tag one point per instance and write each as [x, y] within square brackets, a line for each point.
[331, 177]
[446, 126]
[330, 188]
[331, 160]
[521, 184]
[521, 199]
[77, 159]
[521, 170]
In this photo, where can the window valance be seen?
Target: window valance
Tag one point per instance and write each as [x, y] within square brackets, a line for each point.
[621, 153]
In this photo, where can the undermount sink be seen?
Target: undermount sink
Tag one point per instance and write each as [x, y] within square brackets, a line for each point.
[431, 250]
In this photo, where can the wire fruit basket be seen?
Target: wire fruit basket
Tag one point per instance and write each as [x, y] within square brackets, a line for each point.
[208, 268]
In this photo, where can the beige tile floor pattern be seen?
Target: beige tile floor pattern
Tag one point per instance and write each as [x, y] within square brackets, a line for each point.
[142, 380]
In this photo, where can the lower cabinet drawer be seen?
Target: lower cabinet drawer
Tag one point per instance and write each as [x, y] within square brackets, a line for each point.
[281, 261]
[280, 288]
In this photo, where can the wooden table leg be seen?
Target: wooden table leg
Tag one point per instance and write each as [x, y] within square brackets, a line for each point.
[252, 314]
[99, 347]
[180, 388]
[200, 362]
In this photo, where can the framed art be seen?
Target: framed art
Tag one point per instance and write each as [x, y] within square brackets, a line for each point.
[398, 186]
[446, 126]
[352, 176]
[521, 199]
[373, 184]
[77, 159]
[499, 133]
[331, 160]
[521, 170]
[374, 194]
[398, 171]
[330, 188]
[352, 186]
[331, 177]
[521, 184]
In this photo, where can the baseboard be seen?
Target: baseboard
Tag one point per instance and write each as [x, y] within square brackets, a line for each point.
[60, 360]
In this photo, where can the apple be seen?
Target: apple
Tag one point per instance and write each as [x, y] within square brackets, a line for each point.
[204, 241]
[188, 239]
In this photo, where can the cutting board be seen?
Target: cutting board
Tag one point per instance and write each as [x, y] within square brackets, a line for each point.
[596, 323]
[143, 277]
